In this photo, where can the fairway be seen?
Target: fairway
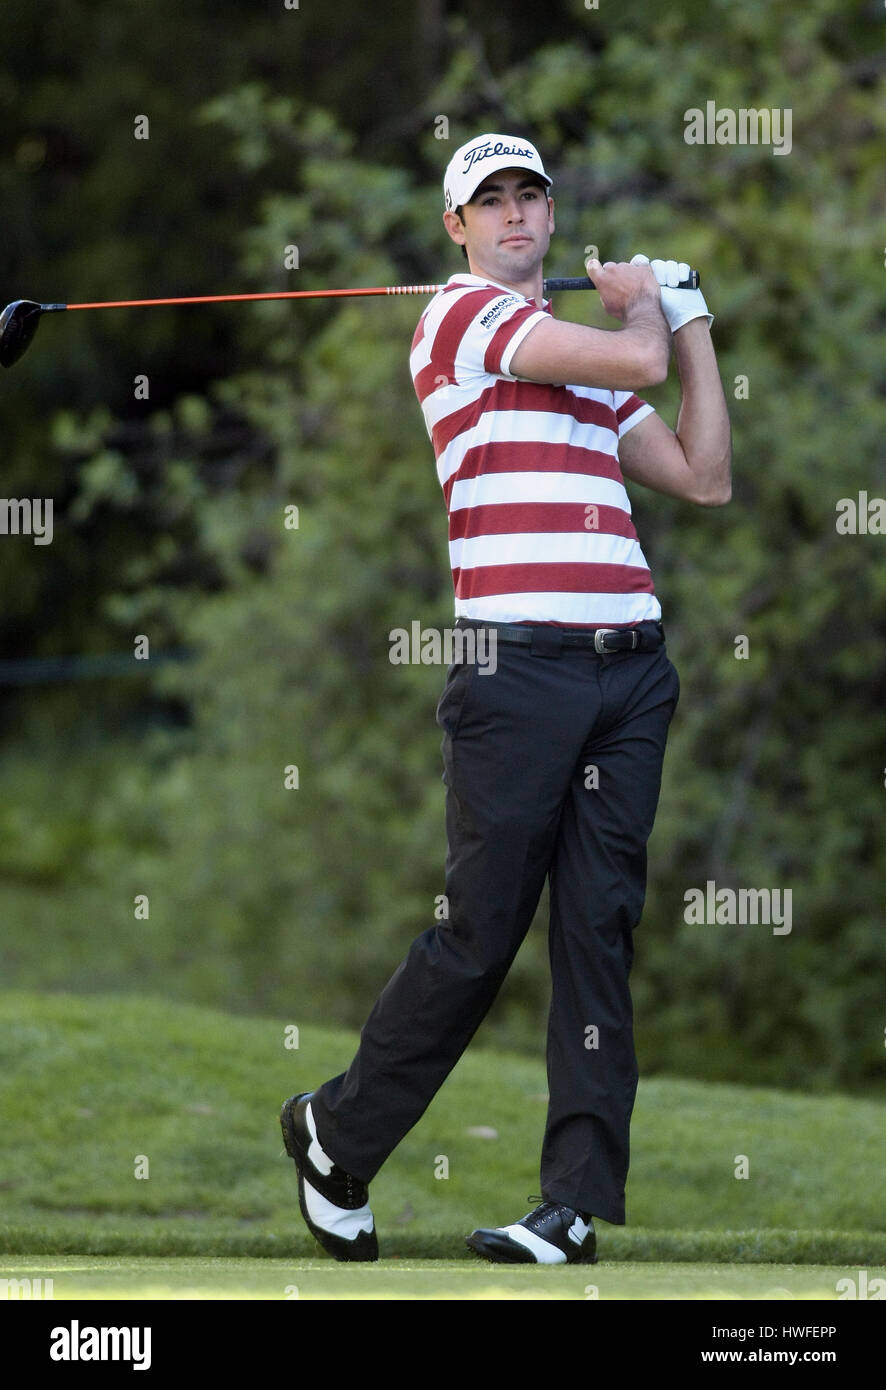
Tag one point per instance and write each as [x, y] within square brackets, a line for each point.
[144, 1278]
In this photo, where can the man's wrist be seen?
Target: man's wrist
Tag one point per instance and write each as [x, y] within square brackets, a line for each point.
[648, 318]
[700, 327]
[648, 312]
[647, 324]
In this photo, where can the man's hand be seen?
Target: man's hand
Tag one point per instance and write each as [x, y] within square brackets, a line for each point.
[624, 289]
[678, 306]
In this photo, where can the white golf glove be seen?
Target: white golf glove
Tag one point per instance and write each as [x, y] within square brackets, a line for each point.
[678, 306]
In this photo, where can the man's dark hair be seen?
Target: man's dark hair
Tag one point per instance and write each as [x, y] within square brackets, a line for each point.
[460, 214]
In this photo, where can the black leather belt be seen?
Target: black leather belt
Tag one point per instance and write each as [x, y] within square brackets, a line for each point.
[644, 637]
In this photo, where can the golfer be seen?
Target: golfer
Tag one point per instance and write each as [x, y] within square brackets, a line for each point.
[552, 763]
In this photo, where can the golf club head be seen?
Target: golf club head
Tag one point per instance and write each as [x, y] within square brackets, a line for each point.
[18, 324]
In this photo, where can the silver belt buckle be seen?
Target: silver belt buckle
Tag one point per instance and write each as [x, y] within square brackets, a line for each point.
[598, 635]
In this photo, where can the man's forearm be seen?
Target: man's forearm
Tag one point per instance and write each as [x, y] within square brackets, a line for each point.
[703, 426]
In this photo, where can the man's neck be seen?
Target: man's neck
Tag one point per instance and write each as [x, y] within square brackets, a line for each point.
[530, 288]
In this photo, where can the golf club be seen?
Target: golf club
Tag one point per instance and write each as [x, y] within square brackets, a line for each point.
[20, 319]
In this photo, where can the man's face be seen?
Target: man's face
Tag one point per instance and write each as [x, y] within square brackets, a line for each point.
[507, 226]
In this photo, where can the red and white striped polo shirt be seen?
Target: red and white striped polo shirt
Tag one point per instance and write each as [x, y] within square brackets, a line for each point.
[540, 523]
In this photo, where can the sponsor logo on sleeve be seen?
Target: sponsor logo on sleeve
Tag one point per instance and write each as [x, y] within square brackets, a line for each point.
[495, 311]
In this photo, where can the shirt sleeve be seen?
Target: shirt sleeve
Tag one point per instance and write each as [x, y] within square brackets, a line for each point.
[629, 410]
[496, 328]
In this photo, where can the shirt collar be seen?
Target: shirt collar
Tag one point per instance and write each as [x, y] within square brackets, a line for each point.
[464, 278]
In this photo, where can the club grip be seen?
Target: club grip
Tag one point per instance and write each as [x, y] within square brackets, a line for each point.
[581, 282]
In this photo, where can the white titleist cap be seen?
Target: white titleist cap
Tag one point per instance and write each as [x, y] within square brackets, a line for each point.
[485, 155]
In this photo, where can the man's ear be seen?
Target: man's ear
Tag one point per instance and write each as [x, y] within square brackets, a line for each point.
[455, 227]
[551, 214]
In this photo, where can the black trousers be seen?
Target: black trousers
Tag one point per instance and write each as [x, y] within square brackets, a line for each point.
[552, 766]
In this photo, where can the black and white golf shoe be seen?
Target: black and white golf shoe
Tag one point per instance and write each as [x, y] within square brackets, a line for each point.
[550, 1235]
[335, 1205]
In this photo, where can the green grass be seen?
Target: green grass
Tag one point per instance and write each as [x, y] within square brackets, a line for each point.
[89, 1084]
[132, 1277]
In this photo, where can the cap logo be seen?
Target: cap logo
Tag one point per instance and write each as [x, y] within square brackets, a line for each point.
[486, 151]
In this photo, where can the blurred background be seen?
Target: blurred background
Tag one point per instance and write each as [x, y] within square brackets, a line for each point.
[171, 442]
